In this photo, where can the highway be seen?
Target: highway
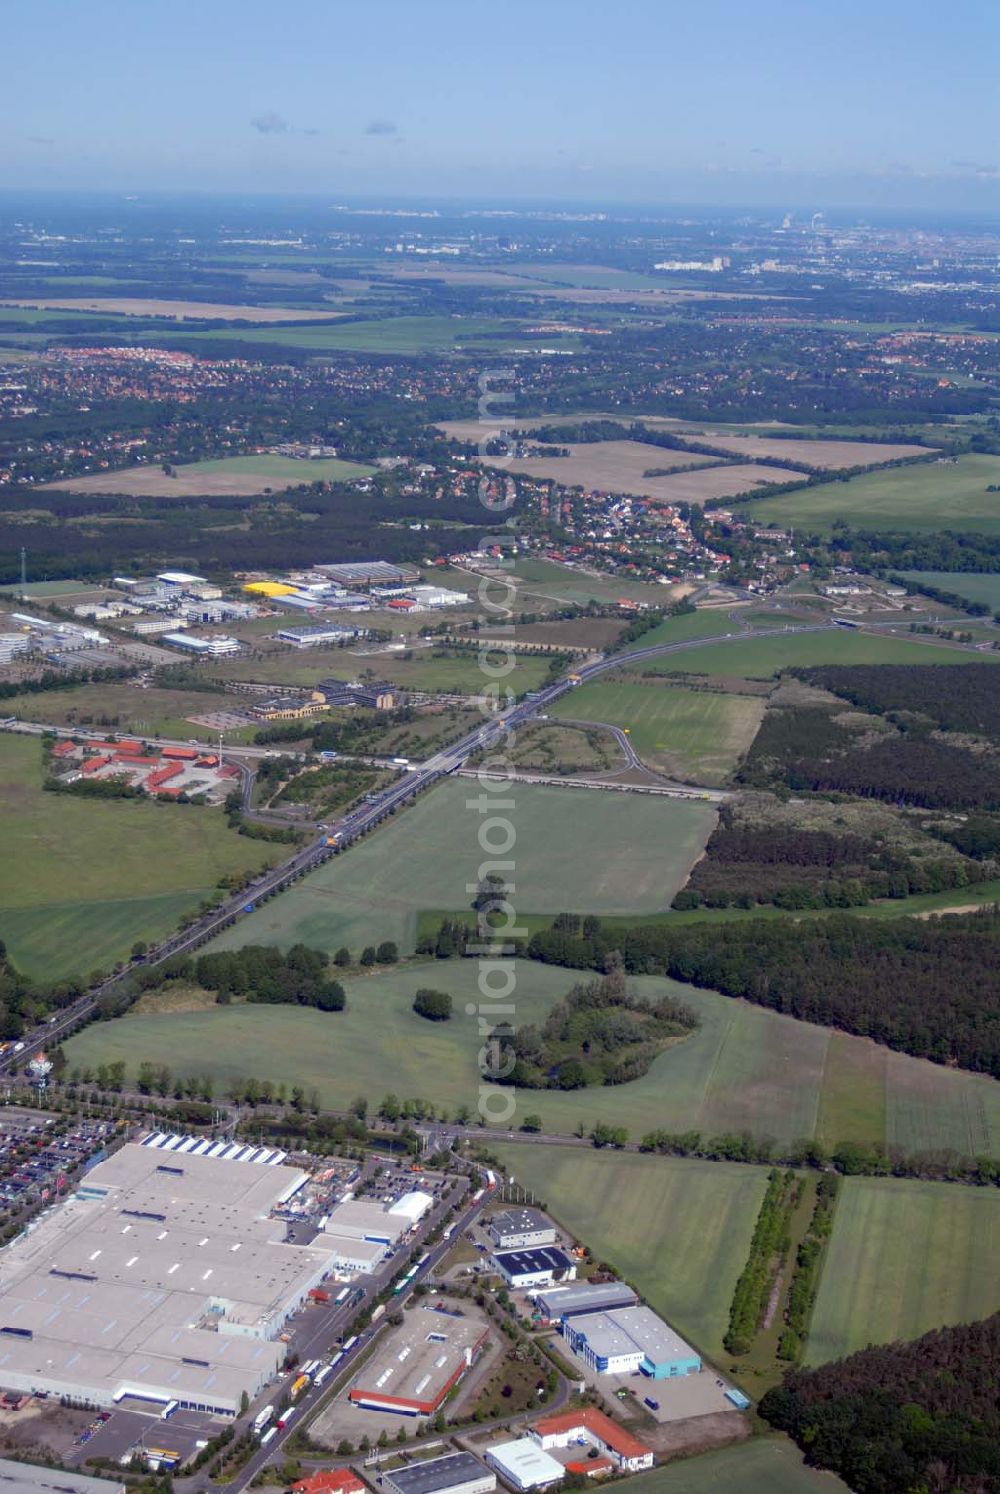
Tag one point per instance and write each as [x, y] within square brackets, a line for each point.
[331, 1323]
[364, 818]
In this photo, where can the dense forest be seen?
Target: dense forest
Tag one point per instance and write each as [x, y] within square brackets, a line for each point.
[600, 1033]
[88, 535]
[955, 697]
[814, 748]
[791, 866]
[902, 1418]
[927, 987]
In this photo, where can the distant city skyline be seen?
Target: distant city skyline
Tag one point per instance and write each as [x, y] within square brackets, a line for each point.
[787, 102]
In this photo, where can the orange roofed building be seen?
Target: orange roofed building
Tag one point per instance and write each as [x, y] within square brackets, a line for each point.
[334, 1481]
[611, 1440]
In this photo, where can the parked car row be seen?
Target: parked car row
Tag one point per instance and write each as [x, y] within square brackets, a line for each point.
[31, 1158]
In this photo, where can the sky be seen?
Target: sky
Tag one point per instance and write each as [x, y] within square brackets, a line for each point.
[819, 103]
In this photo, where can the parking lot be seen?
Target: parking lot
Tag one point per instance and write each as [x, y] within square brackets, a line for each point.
[34, 1163]
[674, 1399]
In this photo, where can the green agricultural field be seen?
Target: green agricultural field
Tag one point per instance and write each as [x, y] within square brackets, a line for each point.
[397, 334]
[679, 1229]
[975, 586]
[216, 478]
[37, 316]
[288, 471]
[921, 498]
[705, 622]
[904, 1258]
[762, 658]
[117, 706]
[764, 1465]
[82, 880]
[588, 851]
[459, 672]
[745, 1068]
[694, 733]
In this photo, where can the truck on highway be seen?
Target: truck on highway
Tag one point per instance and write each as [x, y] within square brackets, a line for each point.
[298, 1386]
[262, 1418]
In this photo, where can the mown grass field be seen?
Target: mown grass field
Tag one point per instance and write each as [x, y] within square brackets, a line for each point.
[220, 477]
[762, 658]
[694, 733]
[744, 1069]
[929, 496]
[82, 880]
[116, 705]
[679, 1229]
[764, 1465]
[975, 586]
[904, 1258]
[535, 575]
[608, 854]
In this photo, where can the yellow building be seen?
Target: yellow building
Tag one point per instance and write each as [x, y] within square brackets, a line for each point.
[269, 588]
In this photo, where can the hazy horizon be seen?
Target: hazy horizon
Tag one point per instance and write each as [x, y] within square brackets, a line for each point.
[781, 106]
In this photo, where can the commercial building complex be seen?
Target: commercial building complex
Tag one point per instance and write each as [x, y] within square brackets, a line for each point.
[210, 648]
[367, 573]
[315, 637]
[457, 1473]
[165, 1276]
[523, 1269]
[524, 1464]
[627, 1339]
[413, 1372]
[592, 1426]
[411, 1206]
[517, 1229]
[560, 1302]
[360, 1233]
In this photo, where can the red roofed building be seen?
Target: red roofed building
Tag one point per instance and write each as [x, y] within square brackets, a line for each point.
[163, 775]
[182, 754]
[63, 749]
[591, 1467]
[91, 764]
[624, 1450]
[334, 1481]
[130, 749]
